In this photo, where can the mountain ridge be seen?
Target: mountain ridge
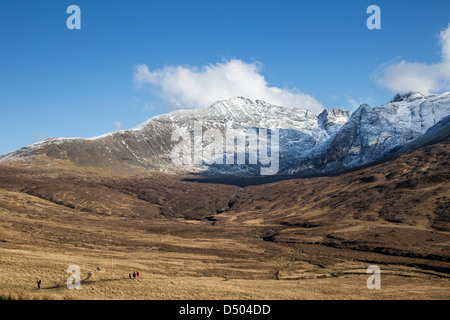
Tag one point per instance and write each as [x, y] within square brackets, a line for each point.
[333, 140]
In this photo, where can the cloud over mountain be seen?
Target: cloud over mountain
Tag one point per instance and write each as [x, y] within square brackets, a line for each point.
[423, 77]
[190, 87]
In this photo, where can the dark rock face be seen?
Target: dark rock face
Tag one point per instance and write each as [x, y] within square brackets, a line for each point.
[372, 134]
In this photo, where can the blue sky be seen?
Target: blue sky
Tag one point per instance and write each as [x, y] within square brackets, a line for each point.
[81, 83]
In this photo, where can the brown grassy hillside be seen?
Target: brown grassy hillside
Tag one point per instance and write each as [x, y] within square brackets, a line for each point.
[309, 238]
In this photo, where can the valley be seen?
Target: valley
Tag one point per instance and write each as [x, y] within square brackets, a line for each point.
[301, 238]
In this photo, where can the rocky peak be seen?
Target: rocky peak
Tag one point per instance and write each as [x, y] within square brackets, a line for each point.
[408, 96]
[333, 119]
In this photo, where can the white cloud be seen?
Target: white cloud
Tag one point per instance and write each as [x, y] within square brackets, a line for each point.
[118, 125]
[189, 87]
[422, 77]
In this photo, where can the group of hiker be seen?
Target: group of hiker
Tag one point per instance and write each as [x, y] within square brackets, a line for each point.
[135, 274]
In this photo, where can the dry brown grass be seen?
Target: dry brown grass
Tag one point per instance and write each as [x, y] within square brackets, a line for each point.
[297, 239]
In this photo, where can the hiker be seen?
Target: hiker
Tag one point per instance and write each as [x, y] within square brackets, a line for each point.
[137, 274]
[129, 275]
[38, 281]
[134, 275]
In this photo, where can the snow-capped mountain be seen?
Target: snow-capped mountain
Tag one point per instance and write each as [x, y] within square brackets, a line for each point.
[371, 134]
[333, 140]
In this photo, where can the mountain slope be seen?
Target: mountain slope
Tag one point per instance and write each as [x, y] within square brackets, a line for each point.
[148, 146]
[308, 144]
[371, 134]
